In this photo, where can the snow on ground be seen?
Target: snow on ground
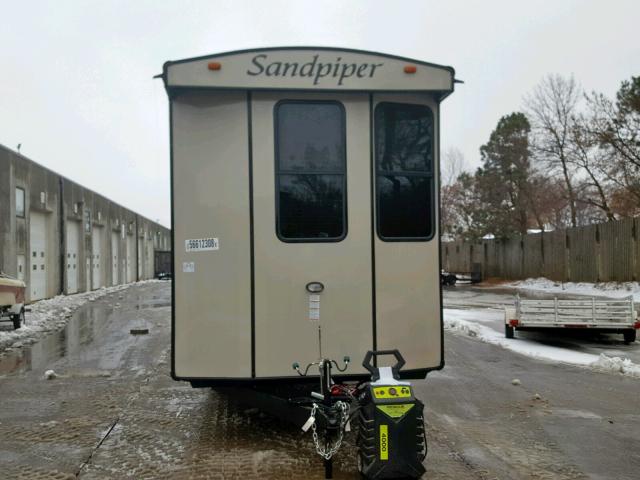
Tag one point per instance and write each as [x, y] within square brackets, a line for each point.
[473, 323]
[50, 315]
[608, 289]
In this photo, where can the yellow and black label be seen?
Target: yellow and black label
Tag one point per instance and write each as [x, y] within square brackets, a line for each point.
[396, 391]
[395, 410]
[384, 442]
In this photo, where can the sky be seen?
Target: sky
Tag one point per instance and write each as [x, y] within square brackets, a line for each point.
[76, 86]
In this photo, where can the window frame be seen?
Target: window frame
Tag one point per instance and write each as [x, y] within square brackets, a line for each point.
[86, 220]
[24, 203]
[278, 172]
[427, 174]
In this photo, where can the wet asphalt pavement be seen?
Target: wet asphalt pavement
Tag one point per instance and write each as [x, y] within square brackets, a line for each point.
[114, 412]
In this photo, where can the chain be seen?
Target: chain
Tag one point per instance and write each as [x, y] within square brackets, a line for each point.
[328, 452]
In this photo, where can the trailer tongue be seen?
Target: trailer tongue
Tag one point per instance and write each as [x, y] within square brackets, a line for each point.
[391, 439]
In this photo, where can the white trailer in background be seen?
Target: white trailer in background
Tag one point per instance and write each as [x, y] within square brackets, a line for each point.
[12, 299]
[603, 315]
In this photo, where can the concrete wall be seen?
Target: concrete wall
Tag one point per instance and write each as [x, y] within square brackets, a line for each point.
[69, 207]
[593, 253]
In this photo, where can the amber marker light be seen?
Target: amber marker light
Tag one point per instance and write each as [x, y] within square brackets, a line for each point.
[214, 65]
[410, 69]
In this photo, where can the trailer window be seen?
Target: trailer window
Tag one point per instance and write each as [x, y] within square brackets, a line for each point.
[310, 171]
[404, 171]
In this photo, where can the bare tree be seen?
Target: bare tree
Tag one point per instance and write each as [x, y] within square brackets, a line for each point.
[550, 108]
[548, 201]
[463, 212]
[591, 159]
[452, 165]
[616, 125]
[452, 192]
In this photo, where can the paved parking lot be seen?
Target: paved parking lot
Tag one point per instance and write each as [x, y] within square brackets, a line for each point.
[114, 412]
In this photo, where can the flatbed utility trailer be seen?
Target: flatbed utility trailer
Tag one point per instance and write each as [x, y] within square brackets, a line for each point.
[305, 228]
[603, 315]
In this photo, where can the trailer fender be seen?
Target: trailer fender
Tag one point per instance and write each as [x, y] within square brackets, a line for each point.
[509, 314]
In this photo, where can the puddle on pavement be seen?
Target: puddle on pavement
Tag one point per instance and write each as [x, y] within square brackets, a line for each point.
[143, 306]
[83, 326]
[143, 302]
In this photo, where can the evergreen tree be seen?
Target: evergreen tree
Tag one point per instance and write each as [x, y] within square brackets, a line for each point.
[503, 180]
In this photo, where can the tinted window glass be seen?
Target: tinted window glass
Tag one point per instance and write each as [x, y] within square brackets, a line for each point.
[404, 206]
[403, 138]
[310, 171]
[404, 171]
[311, 206]
[310, 136]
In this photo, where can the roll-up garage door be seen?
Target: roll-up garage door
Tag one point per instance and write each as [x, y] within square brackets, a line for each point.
[131, 255]
[140, 258]
[96, 258]
[38, 256]
[73, 256]
[150, 259]
[114, 258]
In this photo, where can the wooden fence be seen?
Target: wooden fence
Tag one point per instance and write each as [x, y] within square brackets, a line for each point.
[594, 253]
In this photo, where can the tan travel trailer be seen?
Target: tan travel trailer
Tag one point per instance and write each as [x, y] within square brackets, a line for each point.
[298, 166]
[305, 229]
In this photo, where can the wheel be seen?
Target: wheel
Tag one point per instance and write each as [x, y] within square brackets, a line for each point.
[452, 280]
[629, 336]
[508, 330]
[18, 320]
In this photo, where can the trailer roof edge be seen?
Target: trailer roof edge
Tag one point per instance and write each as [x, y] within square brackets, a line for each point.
[170, 63]
[307, 47]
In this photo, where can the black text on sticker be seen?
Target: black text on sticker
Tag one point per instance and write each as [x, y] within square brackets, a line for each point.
[201, 244]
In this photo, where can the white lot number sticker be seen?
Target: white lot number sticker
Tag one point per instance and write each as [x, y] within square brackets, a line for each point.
[314, 307]
[201, 244]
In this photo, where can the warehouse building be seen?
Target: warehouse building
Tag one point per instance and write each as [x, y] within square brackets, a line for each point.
[60, 237]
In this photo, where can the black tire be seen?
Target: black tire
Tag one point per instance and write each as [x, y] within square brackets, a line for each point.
[508, 331]
[18, 320]
[629, 336]
[448, 280]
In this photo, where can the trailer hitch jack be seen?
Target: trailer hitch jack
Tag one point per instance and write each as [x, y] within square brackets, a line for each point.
[333, 410]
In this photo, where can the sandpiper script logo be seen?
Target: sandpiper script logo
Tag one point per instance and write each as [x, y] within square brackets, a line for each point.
[335, 70]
